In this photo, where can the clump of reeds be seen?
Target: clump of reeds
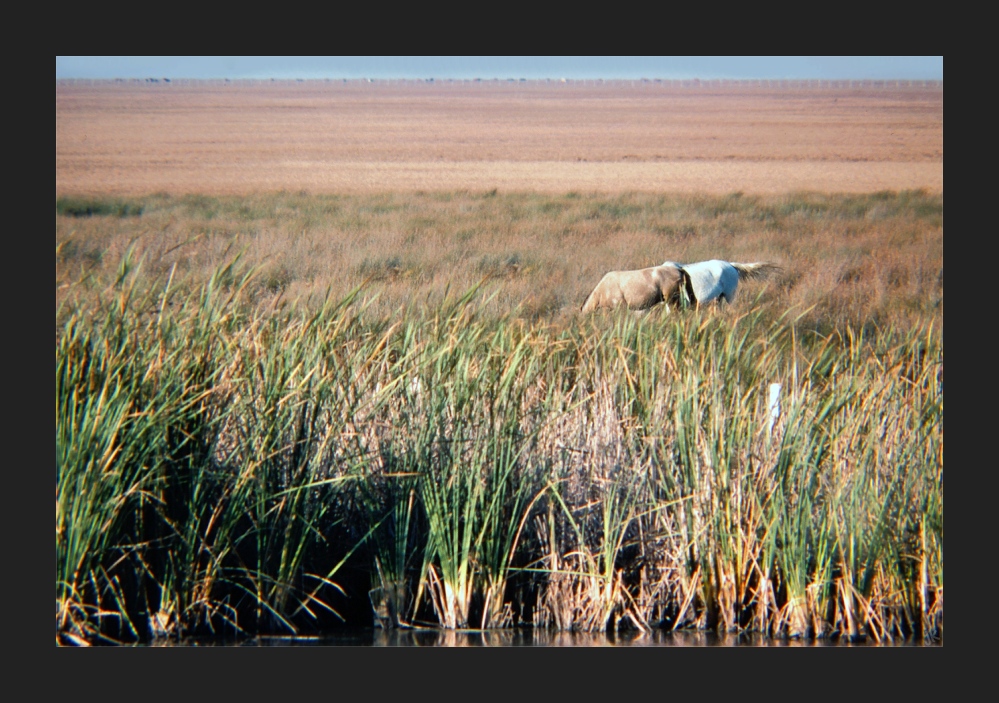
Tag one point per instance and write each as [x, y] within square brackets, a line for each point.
[223, 458]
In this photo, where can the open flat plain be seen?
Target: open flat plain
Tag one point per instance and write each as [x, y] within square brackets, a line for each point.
[242, 137]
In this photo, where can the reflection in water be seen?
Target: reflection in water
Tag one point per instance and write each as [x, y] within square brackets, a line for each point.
[526, 637]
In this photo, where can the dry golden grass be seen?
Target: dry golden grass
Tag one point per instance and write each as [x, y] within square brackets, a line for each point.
[541, 187]
[863, 259]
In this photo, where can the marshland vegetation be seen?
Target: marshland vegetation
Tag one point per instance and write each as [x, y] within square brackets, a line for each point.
[284, 412]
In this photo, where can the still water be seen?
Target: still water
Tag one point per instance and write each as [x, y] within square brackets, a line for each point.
[525, 637]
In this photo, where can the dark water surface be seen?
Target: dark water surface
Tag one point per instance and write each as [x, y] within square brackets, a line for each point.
[525, 637]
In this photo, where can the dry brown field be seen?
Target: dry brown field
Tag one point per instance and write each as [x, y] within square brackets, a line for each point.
[239, 138]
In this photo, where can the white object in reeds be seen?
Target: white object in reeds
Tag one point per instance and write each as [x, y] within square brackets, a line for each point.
[774, 404]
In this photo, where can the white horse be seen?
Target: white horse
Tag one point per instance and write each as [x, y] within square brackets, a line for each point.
[641, 289]
[718, 280]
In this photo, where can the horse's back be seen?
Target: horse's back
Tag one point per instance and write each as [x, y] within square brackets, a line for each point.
[716, 278]
[641, 289]
[638, 290]
[713, 279]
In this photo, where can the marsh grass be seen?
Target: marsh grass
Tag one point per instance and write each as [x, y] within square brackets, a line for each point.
[441, 446]
[857, 259]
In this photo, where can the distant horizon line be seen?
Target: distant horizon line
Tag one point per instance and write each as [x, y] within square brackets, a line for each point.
[819, 82]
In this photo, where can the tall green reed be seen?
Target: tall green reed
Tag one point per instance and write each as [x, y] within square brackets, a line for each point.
[219, 463]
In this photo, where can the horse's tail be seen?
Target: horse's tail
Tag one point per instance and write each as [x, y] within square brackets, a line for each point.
[759, 269]
[683, 295]
[687, 297]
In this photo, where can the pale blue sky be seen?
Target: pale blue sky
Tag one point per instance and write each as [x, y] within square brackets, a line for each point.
[531, 67]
